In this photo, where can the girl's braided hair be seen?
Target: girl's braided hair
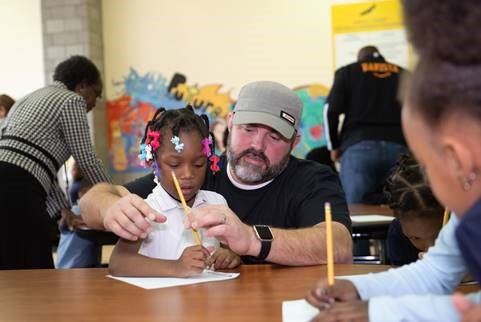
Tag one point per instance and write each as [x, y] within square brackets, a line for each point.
[408, 193]
[177, 120]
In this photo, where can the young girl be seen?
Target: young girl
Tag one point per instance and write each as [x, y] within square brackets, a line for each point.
[419, 215]
[441, 119]
[175, 141]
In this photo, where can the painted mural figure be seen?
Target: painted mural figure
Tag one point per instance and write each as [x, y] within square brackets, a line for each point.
[141, 95]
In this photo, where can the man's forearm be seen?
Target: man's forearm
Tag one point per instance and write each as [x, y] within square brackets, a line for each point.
[99, 198]
[307, 246]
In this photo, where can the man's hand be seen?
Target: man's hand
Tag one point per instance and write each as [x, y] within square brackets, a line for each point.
[221, 222]
[324, 296]
[353, 311]
[126, 217]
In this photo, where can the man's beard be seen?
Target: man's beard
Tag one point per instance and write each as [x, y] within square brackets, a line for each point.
[250, 173]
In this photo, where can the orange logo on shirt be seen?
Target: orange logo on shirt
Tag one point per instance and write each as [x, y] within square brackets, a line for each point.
[379, 70]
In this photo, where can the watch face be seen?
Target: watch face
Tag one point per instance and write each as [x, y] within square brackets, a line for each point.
[263, 232]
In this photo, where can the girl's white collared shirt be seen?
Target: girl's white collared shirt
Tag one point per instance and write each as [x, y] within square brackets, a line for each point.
[169, 239]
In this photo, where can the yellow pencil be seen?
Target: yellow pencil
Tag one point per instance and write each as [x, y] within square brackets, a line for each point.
[330, 253]
[446, 216]
[186, 209]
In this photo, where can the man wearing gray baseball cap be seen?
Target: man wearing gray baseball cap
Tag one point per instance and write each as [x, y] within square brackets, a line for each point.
[275, 211]
[270, 104]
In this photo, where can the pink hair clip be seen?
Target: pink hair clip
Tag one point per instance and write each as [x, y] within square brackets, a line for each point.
[214, 167]
[147, 149]
[206, 142]
[153, 139]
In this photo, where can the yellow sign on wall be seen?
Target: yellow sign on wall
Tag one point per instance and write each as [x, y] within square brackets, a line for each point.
[378, 23]
[366, 16]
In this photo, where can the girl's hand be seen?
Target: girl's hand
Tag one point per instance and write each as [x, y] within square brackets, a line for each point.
[192, 262]
[224, 258]
[324, 296]
[468, 311]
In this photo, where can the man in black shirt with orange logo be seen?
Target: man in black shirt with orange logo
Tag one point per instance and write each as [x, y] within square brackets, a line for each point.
[371, 139]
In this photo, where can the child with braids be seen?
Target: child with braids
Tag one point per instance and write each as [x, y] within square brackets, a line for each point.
[175, 141]
[419, 215]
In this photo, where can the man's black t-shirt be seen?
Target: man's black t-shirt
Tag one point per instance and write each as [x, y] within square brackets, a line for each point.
[294, 199]
[142, 186]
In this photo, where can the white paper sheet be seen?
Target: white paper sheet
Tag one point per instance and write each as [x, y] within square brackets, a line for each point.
[371, 218]
[161, 282]
[298, 311]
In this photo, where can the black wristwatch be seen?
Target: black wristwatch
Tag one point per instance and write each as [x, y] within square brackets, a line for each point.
[264, 234]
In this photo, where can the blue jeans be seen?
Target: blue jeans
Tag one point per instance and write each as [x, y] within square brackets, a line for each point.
[76, 252]
[365, 167]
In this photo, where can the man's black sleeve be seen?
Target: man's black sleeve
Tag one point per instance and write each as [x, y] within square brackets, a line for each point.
[142, 186]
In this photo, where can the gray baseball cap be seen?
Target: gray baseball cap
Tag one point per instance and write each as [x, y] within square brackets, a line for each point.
[271, 104]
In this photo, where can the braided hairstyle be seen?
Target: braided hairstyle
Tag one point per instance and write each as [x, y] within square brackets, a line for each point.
[408, 192]
[183, 119]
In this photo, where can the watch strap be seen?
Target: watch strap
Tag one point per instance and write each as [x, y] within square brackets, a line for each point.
[264, 235]
[265, 249]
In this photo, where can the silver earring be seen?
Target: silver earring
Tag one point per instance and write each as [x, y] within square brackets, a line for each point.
[467, 182]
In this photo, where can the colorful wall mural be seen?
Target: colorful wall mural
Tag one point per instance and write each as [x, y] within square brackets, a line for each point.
[138, 96]
[312, 122]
